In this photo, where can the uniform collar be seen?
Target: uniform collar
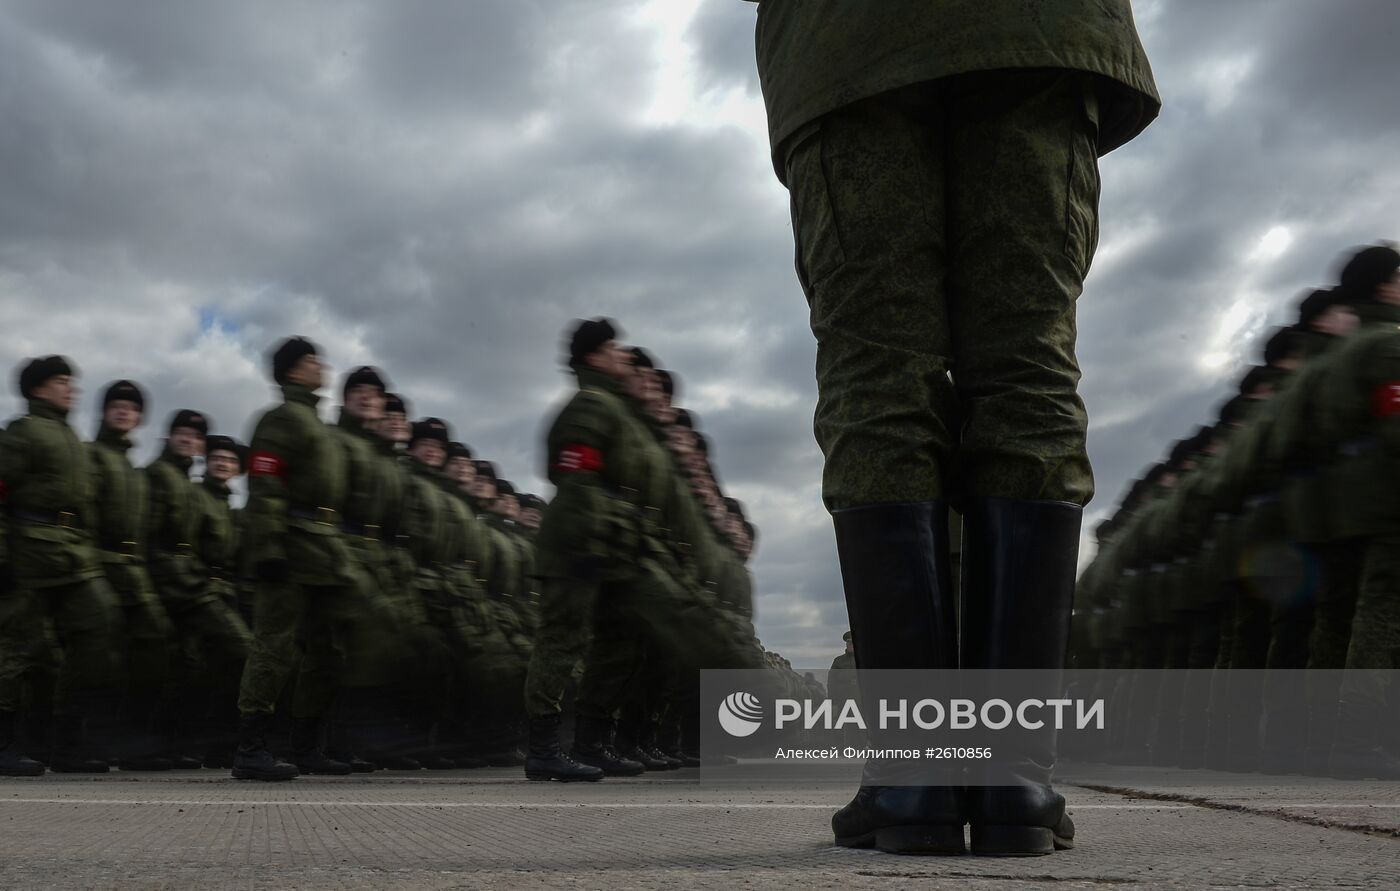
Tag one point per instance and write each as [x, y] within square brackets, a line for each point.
[592, 377]
[172, 458]
[216, 487]
[112, 439]
[42, 408]
[299, 394]
[348, 421]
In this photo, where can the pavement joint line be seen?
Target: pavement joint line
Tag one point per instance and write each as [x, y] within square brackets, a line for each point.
[1277, 812]
[559, 805]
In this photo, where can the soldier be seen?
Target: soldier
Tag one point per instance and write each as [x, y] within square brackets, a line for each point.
[211, 640]
[50, 573]
[586, 536]
[496, 671]
[942, 165]
[1318, 521]
[216, 546]
[1362, 411]
[308, 579]
[373, 496]
[431, 524]
[122, 502]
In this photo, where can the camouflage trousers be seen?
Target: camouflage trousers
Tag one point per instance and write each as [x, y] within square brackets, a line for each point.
[1375, 625]
[677, 619]
[82, 618]
[943, 232]
[333, 635]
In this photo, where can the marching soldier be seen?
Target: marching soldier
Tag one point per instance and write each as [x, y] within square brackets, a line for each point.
[307, 577]
[50, 573]
[216, 546]
[211, 640]
[122, 503]
[1362, 397]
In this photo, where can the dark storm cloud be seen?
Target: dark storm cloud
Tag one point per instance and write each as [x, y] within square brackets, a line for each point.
[440, 188]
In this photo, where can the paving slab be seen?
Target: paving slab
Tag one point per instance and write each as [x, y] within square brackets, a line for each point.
[494, 829]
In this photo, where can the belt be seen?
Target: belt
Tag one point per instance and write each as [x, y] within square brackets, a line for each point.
[66, 518]
[125, 548]
[368, 531]
[322, 515]
[1261, 500]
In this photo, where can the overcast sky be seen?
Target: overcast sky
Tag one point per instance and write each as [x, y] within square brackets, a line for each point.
[438, 188]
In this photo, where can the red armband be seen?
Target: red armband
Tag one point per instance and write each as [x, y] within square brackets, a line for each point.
[266, 464]
[578, 459]
[1385, 401]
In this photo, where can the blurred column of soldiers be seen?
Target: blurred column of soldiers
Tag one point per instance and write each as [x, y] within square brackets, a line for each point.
[393, 583]
[1269, 540]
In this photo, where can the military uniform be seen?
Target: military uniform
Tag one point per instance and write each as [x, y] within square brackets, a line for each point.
[53, 566]
[944, 205]
[298, 481]
[122, 504]
[211, 639]
[942, 165]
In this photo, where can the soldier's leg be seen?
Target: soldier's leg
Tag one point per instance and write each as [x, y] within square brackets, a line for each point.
[1366, 741]
[610, 672]
[22, 632]
[279, 611]
[867, 191]
[85, 618]
[226, 642]
[278, 614]
[867, 184]
[1022, 227]
[561, 640]
[1339, 563]
[148, 635]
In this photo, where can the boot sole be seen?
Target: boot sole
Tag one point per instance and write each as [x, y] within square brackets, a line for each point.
[550, 776]
[25, 772]
[1018, 841]
[936, 840]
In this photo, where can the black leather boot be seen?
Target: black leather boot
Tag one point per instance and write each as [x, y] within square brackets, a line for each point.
[1019, 560]
[306, 750]
[593, 747]
[13, 762]
[253, 761]
[546, 762]
[899, 594]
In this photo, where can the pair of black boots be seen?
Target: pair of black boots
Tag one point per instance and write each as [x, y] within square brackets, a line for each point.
[1018, 573]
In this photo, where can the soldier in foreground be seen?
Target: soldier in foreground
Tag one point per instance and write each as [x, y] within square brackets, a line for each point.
[586, 537]
[307, 578]
[941, 160]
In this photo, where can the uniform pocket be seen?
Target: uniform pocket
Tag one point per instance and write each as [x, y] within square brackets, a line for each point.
[1083, 184]
[817, 242]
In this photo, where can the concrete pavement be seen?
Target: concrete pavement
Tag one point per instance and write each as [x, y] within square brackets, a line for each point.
[1141, 828]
